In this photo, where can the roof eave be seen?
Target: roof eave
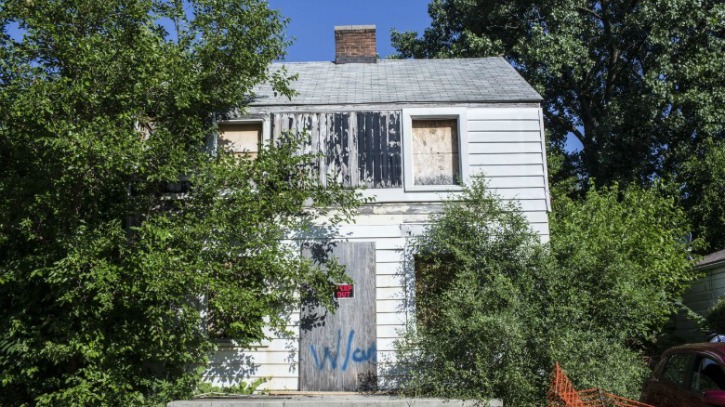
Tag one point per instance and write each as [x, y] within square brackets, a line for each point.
[393, 102]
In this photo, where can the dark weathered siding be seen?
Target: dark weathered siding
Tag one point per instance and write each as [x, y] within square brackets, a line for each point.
[359, 148]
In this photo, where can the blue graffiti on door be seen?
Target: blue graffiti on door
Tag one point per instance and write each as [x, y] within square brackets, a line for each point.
[358, 355]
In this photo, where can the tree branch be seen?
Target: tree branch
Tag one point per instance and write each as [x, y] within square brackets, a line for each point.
[590, 12]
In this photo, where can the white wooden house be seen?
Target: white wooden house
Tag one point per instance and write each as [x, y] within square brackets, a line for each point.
[702, 296]
[409, 131]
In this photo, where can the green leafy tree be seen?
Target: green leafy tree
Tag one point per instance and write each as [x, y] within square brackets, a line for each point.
[126, 248]
[703, 179]
[496, 308]
[638, 83]
[627, 255]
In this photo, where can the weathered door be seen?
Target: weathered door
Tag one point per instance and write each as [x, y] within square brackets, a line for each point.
[338, 351]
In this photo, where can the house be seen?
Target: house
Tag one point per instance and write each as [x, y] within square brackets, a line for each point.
[409, 132]
[702, 295]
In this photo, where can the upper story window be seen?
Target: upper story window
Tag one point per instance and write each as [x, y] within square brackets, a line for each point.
[435, 152]
[435, 147]
[243, 139]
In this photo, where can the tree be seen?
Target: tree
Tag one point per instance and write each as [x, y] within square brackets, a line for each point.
[126, 248]
[703, 182]
[627, 255]
[640, 84]
[496, 308]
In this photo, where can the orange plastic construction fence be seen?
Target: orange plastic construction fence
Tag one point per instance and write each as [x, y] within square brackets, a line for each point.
[563, 394]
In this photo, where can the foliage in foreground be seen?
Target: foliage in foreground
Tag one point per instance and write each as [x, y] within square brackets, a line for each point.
[126, 249]
[205, 389]
[716, 316]
[496, 308]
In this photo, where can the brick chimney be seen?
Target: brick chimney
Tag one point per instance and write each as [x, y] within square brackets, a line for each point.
[355, 43]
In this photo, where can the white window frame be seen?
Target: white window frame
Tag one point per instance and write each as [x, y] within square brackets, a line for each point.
[434, 113]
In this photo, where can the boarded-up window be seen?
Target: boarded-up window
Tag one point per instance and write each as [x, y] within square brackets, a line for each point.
[242, 139]
[362, 148]
[435, 152]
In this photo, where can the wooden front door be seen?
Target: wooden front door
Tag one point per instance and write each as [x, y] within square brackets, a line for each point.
[338, 351]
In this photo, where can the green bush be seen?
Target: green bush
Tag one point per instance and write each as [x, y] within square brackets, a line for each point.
[205, 389]
[496, 308]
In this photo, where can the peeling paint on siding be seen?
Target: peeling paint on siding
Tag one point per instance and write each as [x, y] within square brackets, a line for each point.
[358, 148]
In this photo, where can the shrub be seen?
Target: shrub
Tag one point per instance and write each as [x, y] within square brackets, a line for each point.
[716, 317]
[496, 308]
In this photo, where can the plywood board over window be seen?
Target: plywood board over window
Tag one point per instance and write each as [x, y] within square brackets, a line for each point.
[242, 139]
[435, 152]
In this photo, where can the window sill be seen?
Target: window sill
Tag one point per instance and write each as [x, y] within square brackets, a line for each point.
[433, 188]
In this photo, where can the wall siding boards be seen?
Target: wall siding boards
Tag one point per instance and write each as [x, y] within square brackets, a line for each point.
[703, 294]
[362, 146]
[357, 148]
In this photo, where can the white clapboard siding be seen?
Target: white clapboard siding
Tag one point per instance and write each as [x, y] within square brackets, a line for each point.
[507, 142]
[511, 171]
[540, 228]
[504, 136]
[390, 331]
[386, 220]
[279, 344]
[503, 125]
[389, 280]
[531, 205]
[390, 293]
[386, 344]
[260, 370]
[390, 305]
[391, 318]
[505, 148]
[517, 182]
[503, 113]
[388, 256]
[536, 217]
[390, 195]
[387, 268]
[251, 359]
[504, 193]
[505, 159]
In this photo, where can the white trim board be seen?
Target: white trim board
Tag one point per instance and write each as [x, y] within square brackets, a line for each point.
[458, 113]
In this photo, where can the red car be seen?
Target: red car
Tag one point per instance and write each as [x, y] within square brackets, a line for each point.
[688, 376]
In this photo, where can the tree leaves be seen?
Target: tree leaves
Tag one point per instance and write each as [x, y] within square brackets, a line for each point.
[126, 248]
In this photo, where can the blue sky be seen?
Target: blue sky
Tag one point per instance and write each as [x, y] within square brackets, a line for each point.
[312, 23]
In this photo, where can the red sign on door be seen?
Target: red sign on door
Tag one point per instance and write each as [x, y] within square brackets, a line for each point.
[345, 291]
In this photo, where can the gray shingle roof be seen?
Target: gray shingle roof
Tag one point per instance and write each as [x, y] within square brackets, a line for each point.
[712, 258]
[402, 80]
